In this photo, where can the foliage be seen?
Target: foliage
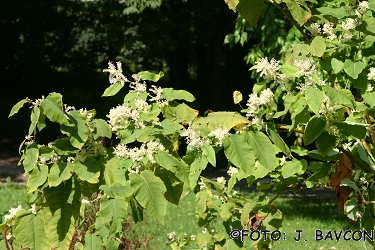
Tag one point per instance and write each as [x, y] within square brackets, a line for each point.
[320, 91]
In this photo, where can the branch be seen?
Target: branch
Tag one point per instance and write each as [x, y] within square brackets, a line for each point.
[370, 128]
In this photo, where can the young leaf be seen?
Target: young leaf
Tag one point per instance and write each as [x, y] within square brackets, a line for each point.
[318, 46]
[170, 94]
[17, 107]
[52, 107]
[313, 129]
[314, 98]
[237, 97]
[102, 129]
[113, 89]
[35, 113]
[337, 65]
[78, 132]
[353, 69]
[263, 149]
[149, 191]
[232, 4]
[149, 76]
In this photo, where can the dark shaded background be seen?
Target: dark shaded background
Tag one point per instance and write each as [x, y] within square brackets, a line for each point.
[62, 46]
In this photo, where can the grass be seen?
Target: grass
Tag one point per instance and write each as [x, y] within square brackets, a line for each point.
[299, 214]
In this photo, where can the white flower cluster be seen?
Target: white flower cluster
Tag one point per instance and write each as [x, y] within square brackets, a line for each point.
[157, 98]
[193, 139]
[137, 86]
[86, 114]
[362, 8]
[219, 134]
[348, 25]
[115, 75]
[172, 236]
[221, 180]
[268, 69]
[328, 111]
[328, 30]
[29, 139]
[315, 29]
[33, 209]
[201, 184]
[255, 102]
[37, 102]
[12, 213]
[136, 154]
[371, 75]
[232, 170]
[122, 116]
[68, 108]
[306, 69]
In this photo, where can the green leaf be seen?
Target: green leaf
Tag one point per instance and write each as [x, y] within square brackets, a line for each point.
[170, 94]
[353, 69]
[339, 13]
[325, 143]
[239, 152]
[149, 192]
[179, 112]
[52, 107]
[102, 129]
[172, 183]
[251, 10]
[29, 230]
[361, 82]
[209, 153]
[93, 241]
[263, 149]
[215, 120]
[369, 98]
[298, 13]
[17, 107]
[63, 146]
[112, 212]
[88, 170]
[77, 130]
[337, 65]
[37, 177]
[31, 156]
[170, 127]
[168, 161]
[225, 211]
[279, 142]
[237, 97]
[113, 89]
[60, 213]
[115, 169]
[293, 167]
[59, 172]
[318, 46]
[313, 129]
[149, 76]
[356, 131]
[117, 190]
[289, 70]
[232, 4]
[314, 98]
[341, 96]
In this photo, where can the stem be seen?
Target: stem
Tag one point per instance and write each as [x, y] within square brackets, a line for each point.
[5, 238]
[370, 127]
[291, 19]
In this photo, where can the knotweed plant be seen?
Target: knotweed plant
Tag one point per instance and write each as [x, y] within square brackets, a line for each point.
[82, 191]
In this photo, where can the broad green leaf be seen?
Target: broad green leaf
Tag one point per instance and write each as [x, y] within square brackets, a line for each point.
[339, 13]
[352, 184]
[63, 146]
[251, 10]
[337, 65]
[179, 112]
[215, 120]
[320, 174]
[102, 129]
[300, 115]
[17, 107]
[361, 82]
[170, 94]
[314, 98]
[356, 131]
[149, 76]
[29, 230]
[318, 46]
[88, 170]
[41, 122]
[112, 211]
[209, 152]
[279, 142]
[239, 152]
[225, 211]
[149, 192]
[299, 150]
[45, 152]
[326, 143]
[237, 97]
[263, 149]
[115, 169]
[129, 135]
[52, 108]
[31, 156]
[313, 129]
[60, 212]
[167, 161]
[293, 167]
[117, 190]
[298, 13]
[289, 70]
[232, 4]
[353, 69]
[289, 100]
[170, 127]
[369, 98]
[58, 173]
[113, 89]
[77, 130]
[37, 177]
[92, 241]
[331, 156]
[341, 96]
[173, 185]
